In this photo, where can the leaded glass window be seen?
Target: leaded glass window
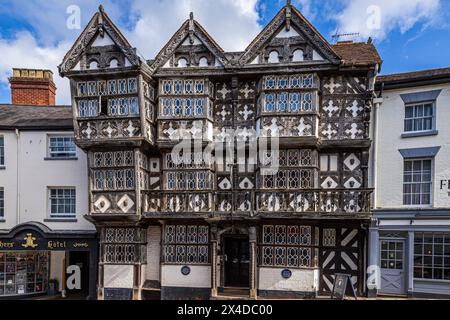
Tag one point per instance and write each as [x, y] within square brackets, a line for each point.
[112, 87]
[188, 87]
[178, 87]
[113, 107]
[188, 109]
[178, 107]
[307, 102]
[122, 86]
[134, 108]
[132, 85]
[282, 102]
[167, 106]
[199, 107]
[294, 102]
[92, 88]
[287, 246]
[270, 102]
[82, 89]
[186, 244]
[199, 86]
[167, 87]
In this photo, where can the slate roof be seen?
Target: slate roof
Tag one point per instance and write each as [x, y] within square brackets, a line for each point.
[357, 53]
[417, 75]
[35, 117]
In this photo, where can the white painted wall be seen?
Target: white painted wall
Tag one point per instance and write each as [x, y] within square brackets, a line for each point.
[27, 176]
[302, 280]
[389, 164]
[200, 277]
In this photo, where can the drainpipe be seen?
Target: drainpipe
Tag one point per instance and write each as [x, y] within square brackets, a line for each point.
[375, 130]
[18, 177]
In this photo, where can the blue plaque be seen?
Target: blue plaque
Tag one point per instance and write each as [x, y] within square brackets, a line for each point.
[286, 273]
[185, 271]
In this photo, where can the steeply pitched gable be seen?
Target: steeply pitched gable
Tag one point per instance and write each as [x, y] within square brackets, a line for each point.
[289, 31]
[100, 32]
[190, 42]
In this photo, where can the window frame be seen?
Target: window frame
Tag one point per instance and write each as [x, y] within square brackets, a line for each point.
[422, 118]
[50, 154]
[65, 215]
[422, 256]
[431, 182]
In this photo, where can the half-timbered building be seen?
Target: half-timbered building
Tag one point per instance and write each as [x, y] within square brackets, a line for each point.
[180, 222]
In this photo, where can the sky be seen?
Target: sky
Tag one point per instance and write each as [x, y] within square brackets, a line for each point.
[409, 34]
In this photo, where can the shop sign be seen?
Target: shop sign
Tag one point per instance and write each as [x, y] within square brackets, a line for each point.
[32, 241]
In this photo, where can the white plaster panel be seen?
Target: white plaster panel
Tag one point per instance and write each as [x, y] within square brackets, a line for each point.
[302, 280]
[118, 276]
[200, 277]
[152, 271]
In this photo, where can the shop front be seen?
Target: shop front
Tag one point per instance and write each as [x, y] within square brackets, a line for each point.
[35, 260]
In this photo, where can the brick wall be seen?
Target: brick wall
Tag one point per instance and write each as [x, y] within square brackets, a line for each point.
[32, 87]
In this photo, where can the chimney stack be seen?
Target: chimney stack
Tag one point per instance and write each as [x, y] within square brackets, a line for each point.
[32, 87]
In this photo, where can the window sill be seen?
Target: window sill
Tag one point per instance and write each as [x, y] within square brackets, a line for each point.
[61, 220]
[420, 134]
[61, 159]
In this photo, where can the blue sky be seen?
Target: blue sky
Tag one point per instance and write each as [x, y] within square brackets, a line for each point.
[409, 34]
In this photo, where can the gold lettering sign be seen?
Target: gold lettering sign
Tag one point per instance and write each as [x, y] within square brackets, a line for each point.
[56, 244]
[29, 241]
[81, 245]
[6, 245]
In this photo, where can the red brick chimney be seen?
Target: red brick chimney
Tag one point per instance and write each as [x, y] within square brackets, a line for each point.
[32, 87]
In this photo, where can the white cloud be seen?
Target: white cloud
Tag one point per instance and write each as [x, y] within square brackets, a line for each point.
[377, 18]
[24, 52]
[232, 23]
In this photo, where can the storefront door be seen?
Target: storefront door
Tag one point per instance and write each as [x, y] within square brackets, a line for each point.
[392, 263]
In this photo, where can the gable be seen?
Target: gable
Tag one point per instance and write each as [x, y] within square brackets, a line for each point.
[288, 38]
[190, 46]
[101, 44]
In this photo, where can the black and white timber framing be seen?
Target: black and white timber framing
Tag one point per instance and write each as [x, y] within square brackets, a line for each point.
[160, 221]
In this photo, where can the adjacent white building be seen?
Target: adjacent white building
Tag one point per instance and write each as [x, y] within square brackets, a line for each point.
[43, 198]
[410, 235]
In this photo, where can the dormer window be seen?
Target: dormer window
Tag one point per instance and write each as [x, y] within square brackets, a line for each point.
[274, 57]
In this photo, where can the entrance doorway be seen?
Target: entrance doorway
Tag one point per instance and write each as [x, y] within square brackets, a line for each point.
[393, 277]
[237, 261]
[80, 259]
